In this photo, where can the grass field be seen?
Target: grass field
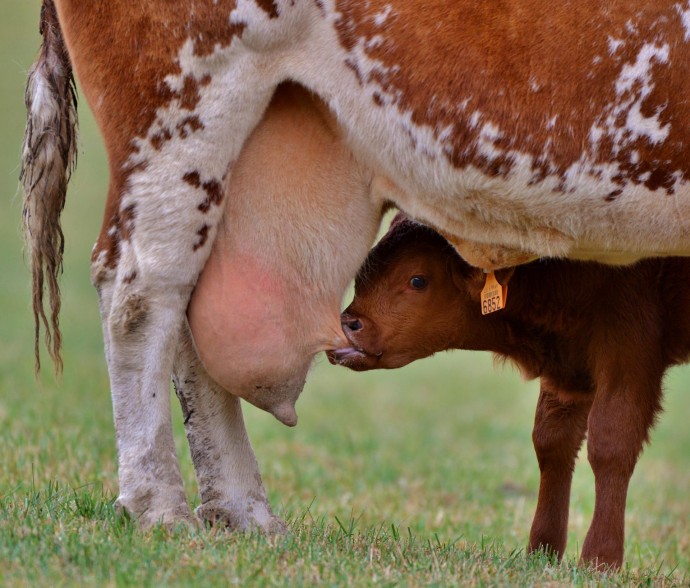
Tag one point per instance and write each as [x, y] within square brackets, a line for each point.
[423, 476]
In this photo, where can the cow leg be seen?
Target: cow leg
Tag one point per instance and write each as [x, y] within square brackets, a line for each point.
[142, 308]
[160, 225]
[619, 422]
[134, 322]
[230, 486]
[560, 424]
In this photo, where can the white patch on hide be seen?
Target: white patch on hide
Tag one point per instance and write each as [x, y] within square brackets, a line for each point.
[640, 70]
[488, 136]
[633, 86]
[381, 17]
[615, 44]
[684, 13]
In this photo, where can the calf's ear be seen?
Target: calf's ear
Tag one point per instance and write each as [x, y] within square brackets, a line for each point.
[462, 273]
[467, 278]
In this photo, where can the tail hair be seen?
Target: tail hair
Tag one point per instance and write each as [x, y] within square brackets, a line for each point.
[48, 158]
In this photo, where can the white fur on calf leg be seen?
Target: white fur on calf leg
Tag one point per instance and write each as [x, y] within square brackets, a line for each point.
[230, 485]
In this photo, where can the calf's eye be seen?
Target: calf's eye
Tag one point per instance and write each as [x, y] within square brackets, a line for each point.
[418, 282]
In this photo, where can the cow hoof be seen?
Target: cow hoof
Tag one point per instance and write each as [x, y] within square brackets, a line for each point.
[256, 516]
[169, 517]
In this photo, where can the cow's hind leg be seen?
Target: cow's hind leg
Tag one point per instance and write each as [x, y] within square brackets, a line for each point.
[559, 430]
[151, 487]
[232, 493]
[151, 252]
[136, 324]
[143, 303]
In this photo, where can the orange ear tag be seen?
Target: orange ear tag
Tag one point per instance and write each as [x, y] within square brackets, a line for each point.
[494, 295]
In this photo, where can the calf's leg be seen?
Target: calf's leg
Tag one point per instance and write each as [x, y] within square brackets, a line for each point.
[232, 493]
[559, 429]
[619, 423]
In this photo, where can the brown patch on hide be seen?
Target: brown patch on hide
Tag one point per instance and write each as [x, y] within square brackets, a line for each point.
[530, 79]
[126, 222]
[159, 138]
[189, 125]
[213, 189]
[203, 237]
[270, 7]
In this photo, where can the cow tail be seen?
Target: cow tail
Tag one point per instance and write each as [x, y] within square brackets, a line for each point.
[48, 158]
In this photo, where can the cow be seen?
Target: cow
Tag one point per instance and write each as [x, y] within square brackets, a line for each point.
[518, 128]
[590, 332]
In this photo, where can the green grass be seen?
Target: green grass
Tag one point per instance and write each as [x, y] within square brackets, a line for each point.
[423, 476]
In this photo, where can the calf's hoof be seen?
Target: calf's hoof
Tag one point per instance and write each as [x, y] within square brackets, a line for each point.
[602, 555]
[601, 563]
[547, 549]
[255, 515]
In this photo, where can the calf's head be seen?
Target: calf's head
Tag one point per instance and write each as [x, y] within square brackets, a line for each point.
[414, 296]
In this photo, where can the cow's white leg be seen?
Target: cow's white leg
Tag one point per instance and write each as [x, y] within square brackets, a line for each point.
[232, 493]
[142, 311]
[140, 363]
[151, 486]
[166, 223]
[134, 321]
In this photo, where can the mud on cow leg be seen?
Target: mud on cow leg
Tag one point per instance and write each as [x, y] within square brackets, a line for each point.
[232, 493]
[559, 430]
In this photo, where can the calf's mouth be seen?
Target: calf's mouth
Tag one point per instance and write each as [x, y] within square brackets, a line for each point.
[354, 358]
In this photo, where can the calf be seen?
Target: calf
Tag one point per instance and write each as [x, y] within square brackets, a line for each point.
[599, 338]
